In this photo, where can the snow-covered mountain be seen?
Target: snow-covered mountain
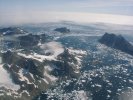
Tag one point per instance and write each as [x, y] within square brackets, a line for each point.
[41, 64]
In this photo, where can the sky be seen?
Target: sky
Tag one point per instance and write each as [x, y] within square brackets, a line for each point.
[39, 11]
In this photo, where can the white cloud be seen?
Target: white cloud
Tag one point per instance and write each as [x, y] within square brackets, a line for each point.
[40, 17]
[102, 3]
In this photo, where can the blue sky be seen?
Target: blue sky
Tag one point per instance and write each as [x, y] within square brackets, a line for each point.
[16, 8]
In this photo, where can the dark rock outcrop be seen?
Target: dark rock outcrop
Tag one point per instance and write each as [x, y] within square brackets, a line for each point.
[11, 31]
[62, 30]
[31, 40]
[117, 42]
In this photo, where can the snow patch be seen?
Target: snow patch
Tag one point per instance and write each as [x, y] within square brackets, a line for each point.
[50, 77]
[126, 95]
[6, 81]
[55, 48]
[78, 54]
[80, 95]
[22, 77]
[52, 48]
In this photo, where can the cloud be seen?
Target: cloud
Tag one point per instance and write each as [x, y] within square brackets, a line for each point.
[44, 16]
[102, 3]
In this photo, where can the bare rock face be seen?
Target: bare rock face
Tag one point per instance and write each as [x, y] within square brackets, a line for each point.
[117, 42]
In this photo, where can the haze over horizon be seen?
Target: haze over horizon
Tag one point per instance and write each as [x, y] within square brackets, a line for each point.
[14, 12]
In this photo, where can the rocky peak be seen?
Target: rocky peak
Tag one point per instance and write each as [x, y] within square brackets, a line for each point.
[62, 30]
[117, 42]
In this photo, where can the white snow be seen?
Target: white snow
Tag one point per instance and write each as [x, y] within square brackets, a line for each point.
[74, 51]
[22, 77]
[98, 85]
[4, 33]
[50, 77]
[6, 81]
[54, 48]
[1, 94]
[108, 96]
[45, 80]
[78, 54]
[119, 90]
[25, 91]
[80, 95]
[32, 76]
[126, 95]
[109, 91]
[83, 81]
[49, 68]
[56, 38]
[0, 60]
[131, 81]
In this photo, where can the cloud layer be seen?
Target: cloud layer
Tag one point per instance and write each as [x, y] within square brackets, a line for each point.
[36, 11]
[44, 16]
